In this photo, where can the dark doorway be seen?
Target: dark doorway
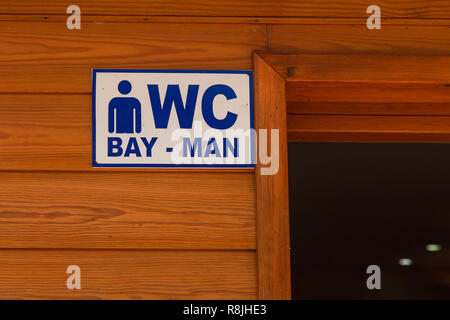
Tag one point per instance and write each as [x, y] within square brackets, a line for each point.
[353, 205]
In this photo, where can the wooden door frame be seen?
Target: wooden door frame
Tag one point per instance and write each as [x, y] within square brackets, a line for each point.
[272, 194]
[279, 74]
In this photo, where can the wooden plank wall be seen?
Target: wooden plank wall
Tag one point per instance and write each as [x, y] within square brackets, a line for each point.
[149, 233]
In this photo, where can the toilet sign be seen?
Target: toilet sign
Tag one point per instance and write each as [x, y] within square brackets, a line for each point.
[172, 118]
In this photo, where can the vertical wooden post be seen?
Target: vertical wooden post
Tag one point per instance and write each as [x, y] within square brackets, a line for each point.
[272, 195]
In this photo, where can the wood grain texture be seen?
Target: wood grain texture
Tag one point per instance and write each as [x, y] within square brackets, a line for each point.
[67, 210]
[382, 98]
[281, 8]
[45, 132]
[138, 274]
[173, 210]
[357, 128]
[225, 19]
[407, 91]
[362, 67]
[272, 193]
[46, 57]
[127, 210]
[333, 39]
[365, 83]
[369, 108]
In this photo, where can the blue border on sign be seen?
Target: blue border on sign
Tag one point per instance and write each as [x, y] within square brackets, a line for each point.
[155, 165]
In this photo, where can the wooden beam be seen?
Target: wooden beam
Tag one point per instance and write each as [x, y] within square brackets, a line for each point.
[38, 57]
[128, 274]
[357, 38]
[127, 210]
[265, 8]
[273, 241]
[362, 67]
[357, 128]
[367, 97]
[224, 20]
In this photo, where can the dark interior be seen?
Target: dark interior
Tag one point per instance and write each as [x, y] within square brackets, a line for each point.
[358, 204]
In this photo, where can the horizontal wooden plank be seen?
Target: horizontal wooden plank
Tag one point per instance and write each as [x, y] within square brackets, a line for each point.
[47, 57]
[45, 132]
[53, 132]
[391, 39]
[127, 210]
[361, 67]
[372, 108]
[368, 128]
[283, 8]
[225, 19]
[368, 91]
[137, 274]
[382, 98]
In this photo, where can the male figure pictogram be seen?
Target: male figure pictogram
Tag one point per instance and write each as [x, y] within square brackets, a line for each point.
[125, 110]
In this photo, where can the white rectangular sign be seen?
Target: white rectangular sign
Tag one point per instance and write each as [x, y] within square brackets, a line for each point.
[172, 118]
